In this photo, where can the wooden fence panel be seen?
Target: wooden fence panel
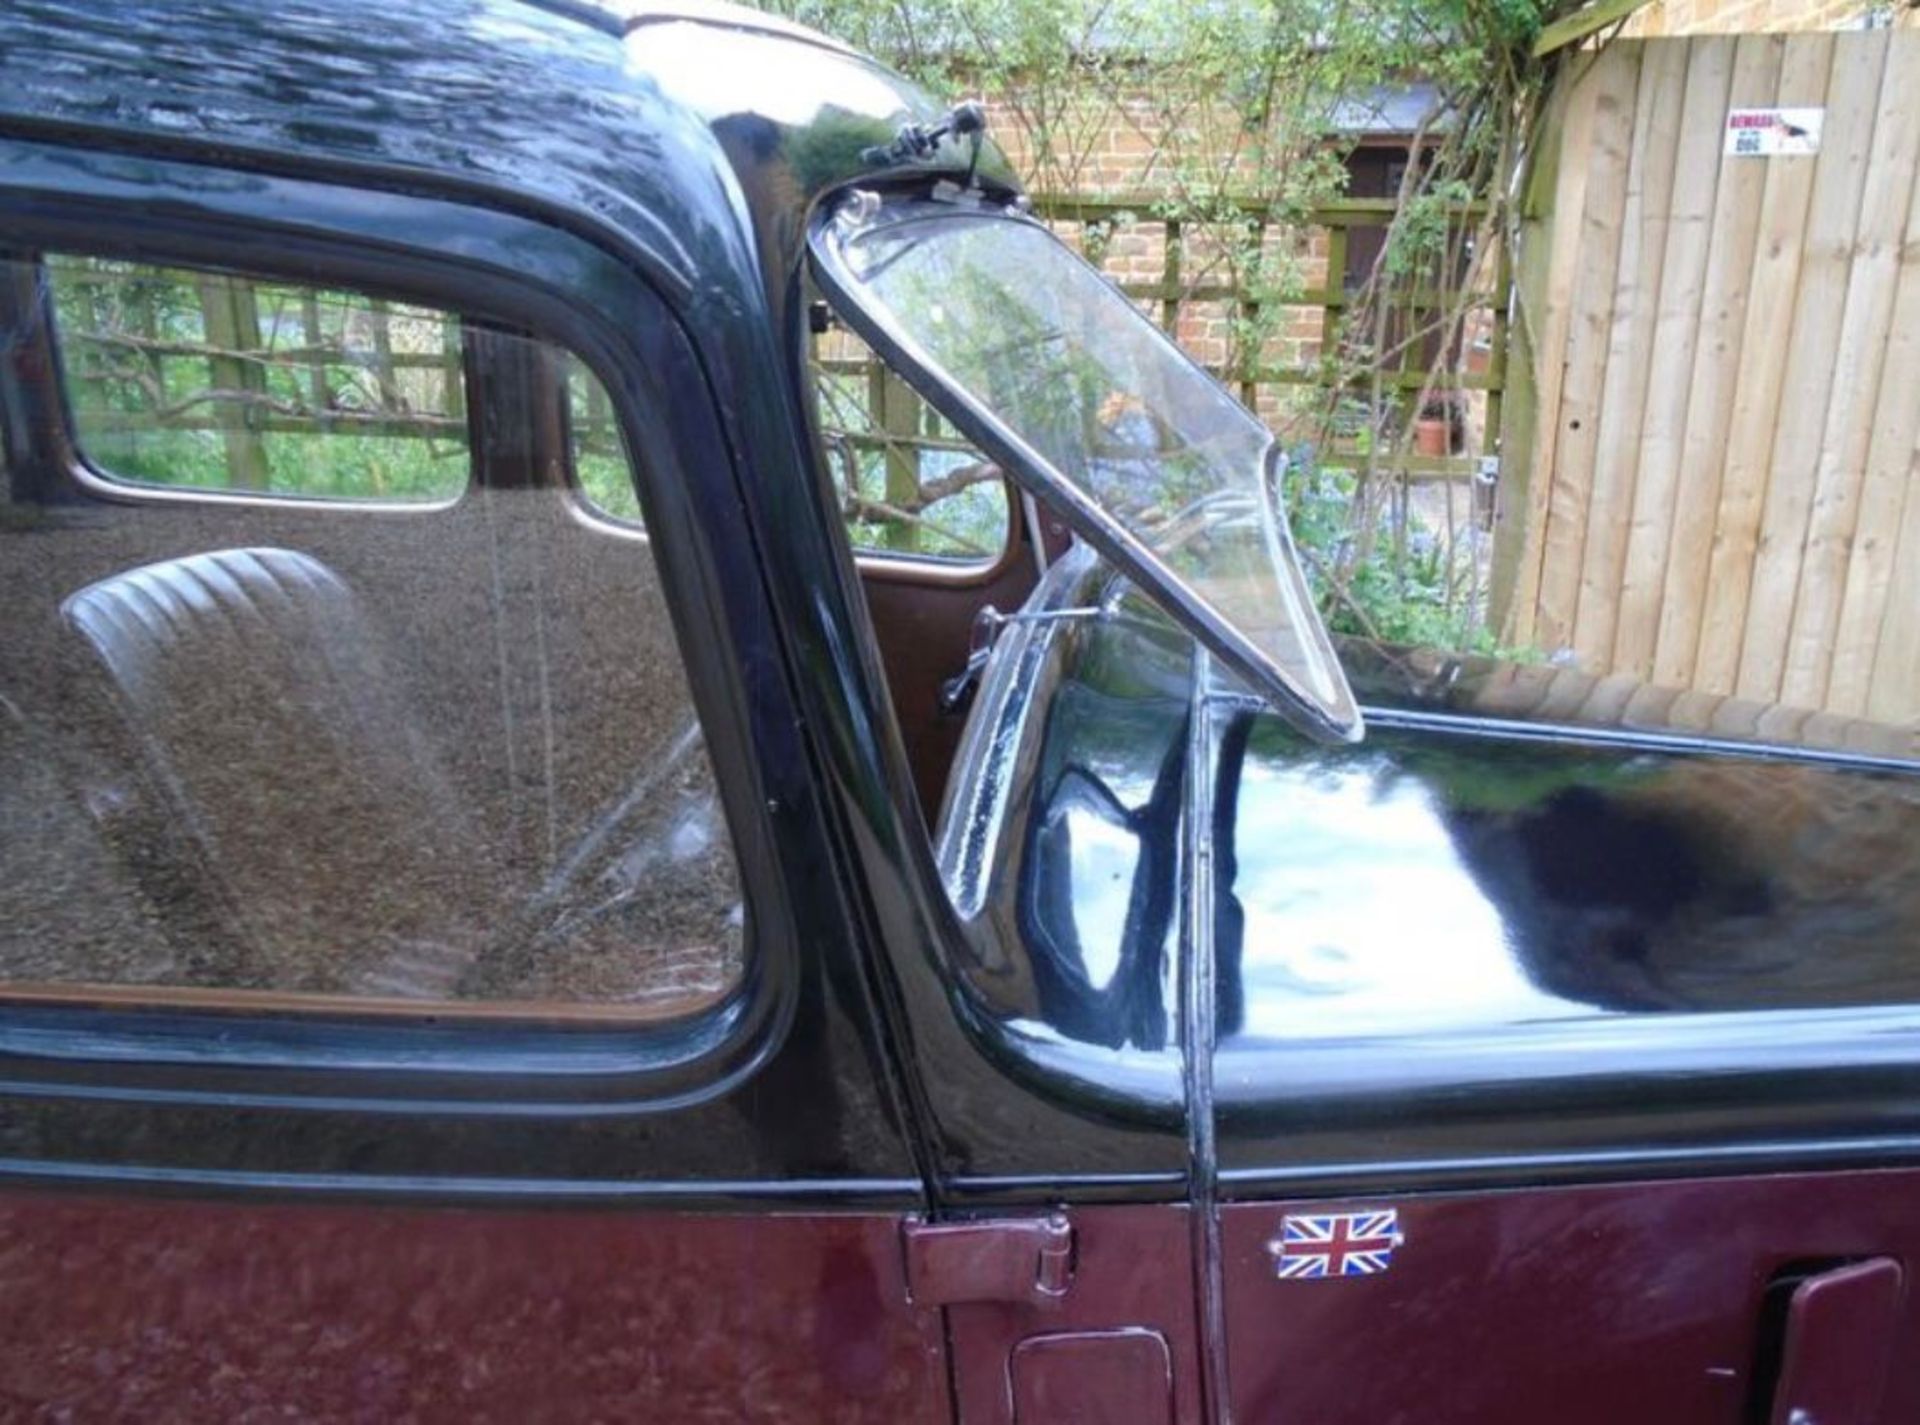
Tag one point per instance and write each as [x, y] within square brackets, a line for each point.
[1719, 486]
[1545, 263]
[1896, 665]
[1676, 329]
[1759, 381]
[1872, 288]
[1623, 395]
[1590, 299]
[1814, 351]
[1871, 597]
[1712, 386]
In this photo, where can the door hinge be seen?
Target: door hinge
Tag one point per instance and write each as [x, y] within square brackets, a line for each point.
[998, 1259]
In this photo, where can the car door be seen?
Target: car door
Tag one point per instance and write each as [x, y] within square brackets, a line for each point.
[1565, 1071]
[402, 987]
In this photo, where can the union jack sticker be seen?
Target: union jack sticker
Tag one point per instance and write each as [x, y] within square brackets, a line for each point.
[1335, 1244]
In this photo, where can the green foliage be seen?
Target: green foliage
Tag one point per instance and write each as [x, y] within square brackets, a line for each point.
[328, 467]
[204, 381]
[599, 455]
[906, 481]
[1425, 230]
[1411, 587]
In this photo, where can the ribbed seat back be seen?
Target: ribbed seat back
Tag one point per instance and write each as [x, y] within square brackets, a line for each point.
[306, 790]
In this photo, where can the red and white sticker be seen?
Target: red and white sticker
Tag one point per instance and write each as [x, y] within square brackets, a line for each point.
[1774, 133]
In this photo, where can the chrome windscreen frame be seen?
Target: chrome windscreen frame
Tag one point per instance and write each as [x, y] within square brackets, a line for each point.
[858, 212]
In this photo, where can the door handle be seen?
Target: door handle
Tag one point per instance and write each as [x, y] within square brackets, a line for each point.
[1838, 1345]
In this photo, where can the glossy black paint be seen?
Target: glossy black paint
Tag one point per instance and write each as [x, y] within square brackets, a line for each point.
[1576, 952]
[1075, 979]
[1463, 950]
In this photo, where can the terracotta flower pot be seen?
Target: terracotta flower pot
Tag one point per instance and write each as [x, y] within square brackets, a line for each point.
[1432, 435]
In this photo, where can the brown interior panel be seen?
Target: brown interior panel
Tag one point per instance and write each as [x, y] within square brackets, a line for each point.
[923, 615]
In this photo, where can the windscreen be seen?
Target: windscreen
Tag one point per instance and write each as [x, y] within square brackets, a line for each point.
[1044, 362]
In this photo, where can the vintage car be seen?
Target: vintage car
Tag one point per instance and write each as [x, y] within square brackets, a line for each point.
[505, 914]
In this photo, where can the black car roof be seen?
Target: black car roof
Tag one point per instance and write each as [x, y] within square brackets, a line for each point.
[640, 121]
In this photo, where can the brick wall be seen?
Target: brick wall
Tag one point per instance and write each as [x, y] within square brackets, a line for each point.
[1115, 145]
[1115, 151]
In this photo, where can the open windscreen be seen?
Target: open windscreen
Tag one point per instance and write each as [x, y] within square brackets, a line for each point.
[1047, 365]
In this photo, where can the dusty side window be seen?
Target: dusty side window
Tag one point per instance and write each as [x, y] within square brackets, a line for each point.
[909, 484]
[437, 753]
[211, 381]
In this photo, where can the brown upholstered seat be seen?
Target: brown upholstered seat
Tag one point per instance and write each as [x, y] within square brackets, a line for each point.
[302, 790]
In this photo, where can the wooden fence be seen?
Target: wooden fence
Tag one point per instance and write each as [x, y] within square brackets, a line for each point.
[1712, 478]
